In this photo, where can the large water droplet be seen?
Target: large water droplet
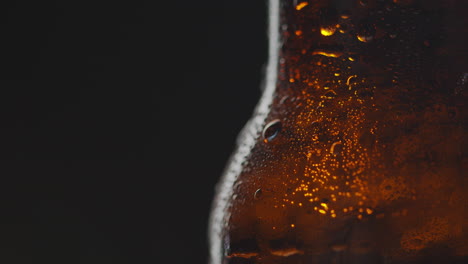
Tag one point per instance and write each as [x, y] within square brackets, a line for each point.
[327, 30]
[286, 252]
[364, 38]
[301, 5]
[328, 21]
[336, 148]
[258, 194]
[366, 31]
[330, 94]
[271, 130]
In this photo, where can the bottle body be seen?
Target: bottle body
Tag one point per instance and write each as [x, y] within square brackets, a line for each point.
[357, 152]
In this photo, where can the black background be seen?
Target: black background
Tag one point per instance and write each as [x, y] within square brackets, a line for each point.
[116, 121]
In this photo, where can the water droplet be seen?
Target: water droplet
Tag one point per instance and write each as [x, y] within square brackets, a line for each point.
[328, 21]
[364, 38]
[350, 78]
[301, 5]
[330, 94]
[258, 194]
[327, 30]
[331, 54]
[286, 252]
[366, 31]
[271, 130]
[283, 99]
[345, 14]
[325, 206]
[315, 137]
[336, 148]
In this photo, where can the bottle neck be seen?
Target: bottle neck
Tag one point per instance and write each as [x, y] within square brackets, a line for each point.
[413, 46]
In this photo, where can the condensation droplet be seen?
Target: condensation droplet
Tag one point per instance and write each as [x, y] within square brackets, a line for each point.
[345, 14]
[325, 206]
[336, 148]
[364, 38]
[271, 130]
[331, 54]
[348, 81]
[366, 31]
[327, 30]
[301, 5]
[258, 194]
[286, 252]
[283, 99]
[330, 94]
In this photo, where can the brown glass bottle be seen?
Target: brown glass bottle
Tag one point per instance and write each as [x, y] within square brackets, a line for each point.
[357, 151]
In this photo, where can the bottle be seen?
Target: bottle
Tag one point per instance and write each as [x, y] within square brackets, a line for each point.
[357, 151]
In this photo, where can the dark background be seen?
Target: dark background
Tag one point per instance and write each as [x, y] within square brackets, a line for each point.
[116, 121]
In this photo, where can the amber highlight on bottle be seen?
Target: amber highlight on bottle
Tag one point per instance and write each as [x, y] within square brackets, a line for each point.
[357, 151]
